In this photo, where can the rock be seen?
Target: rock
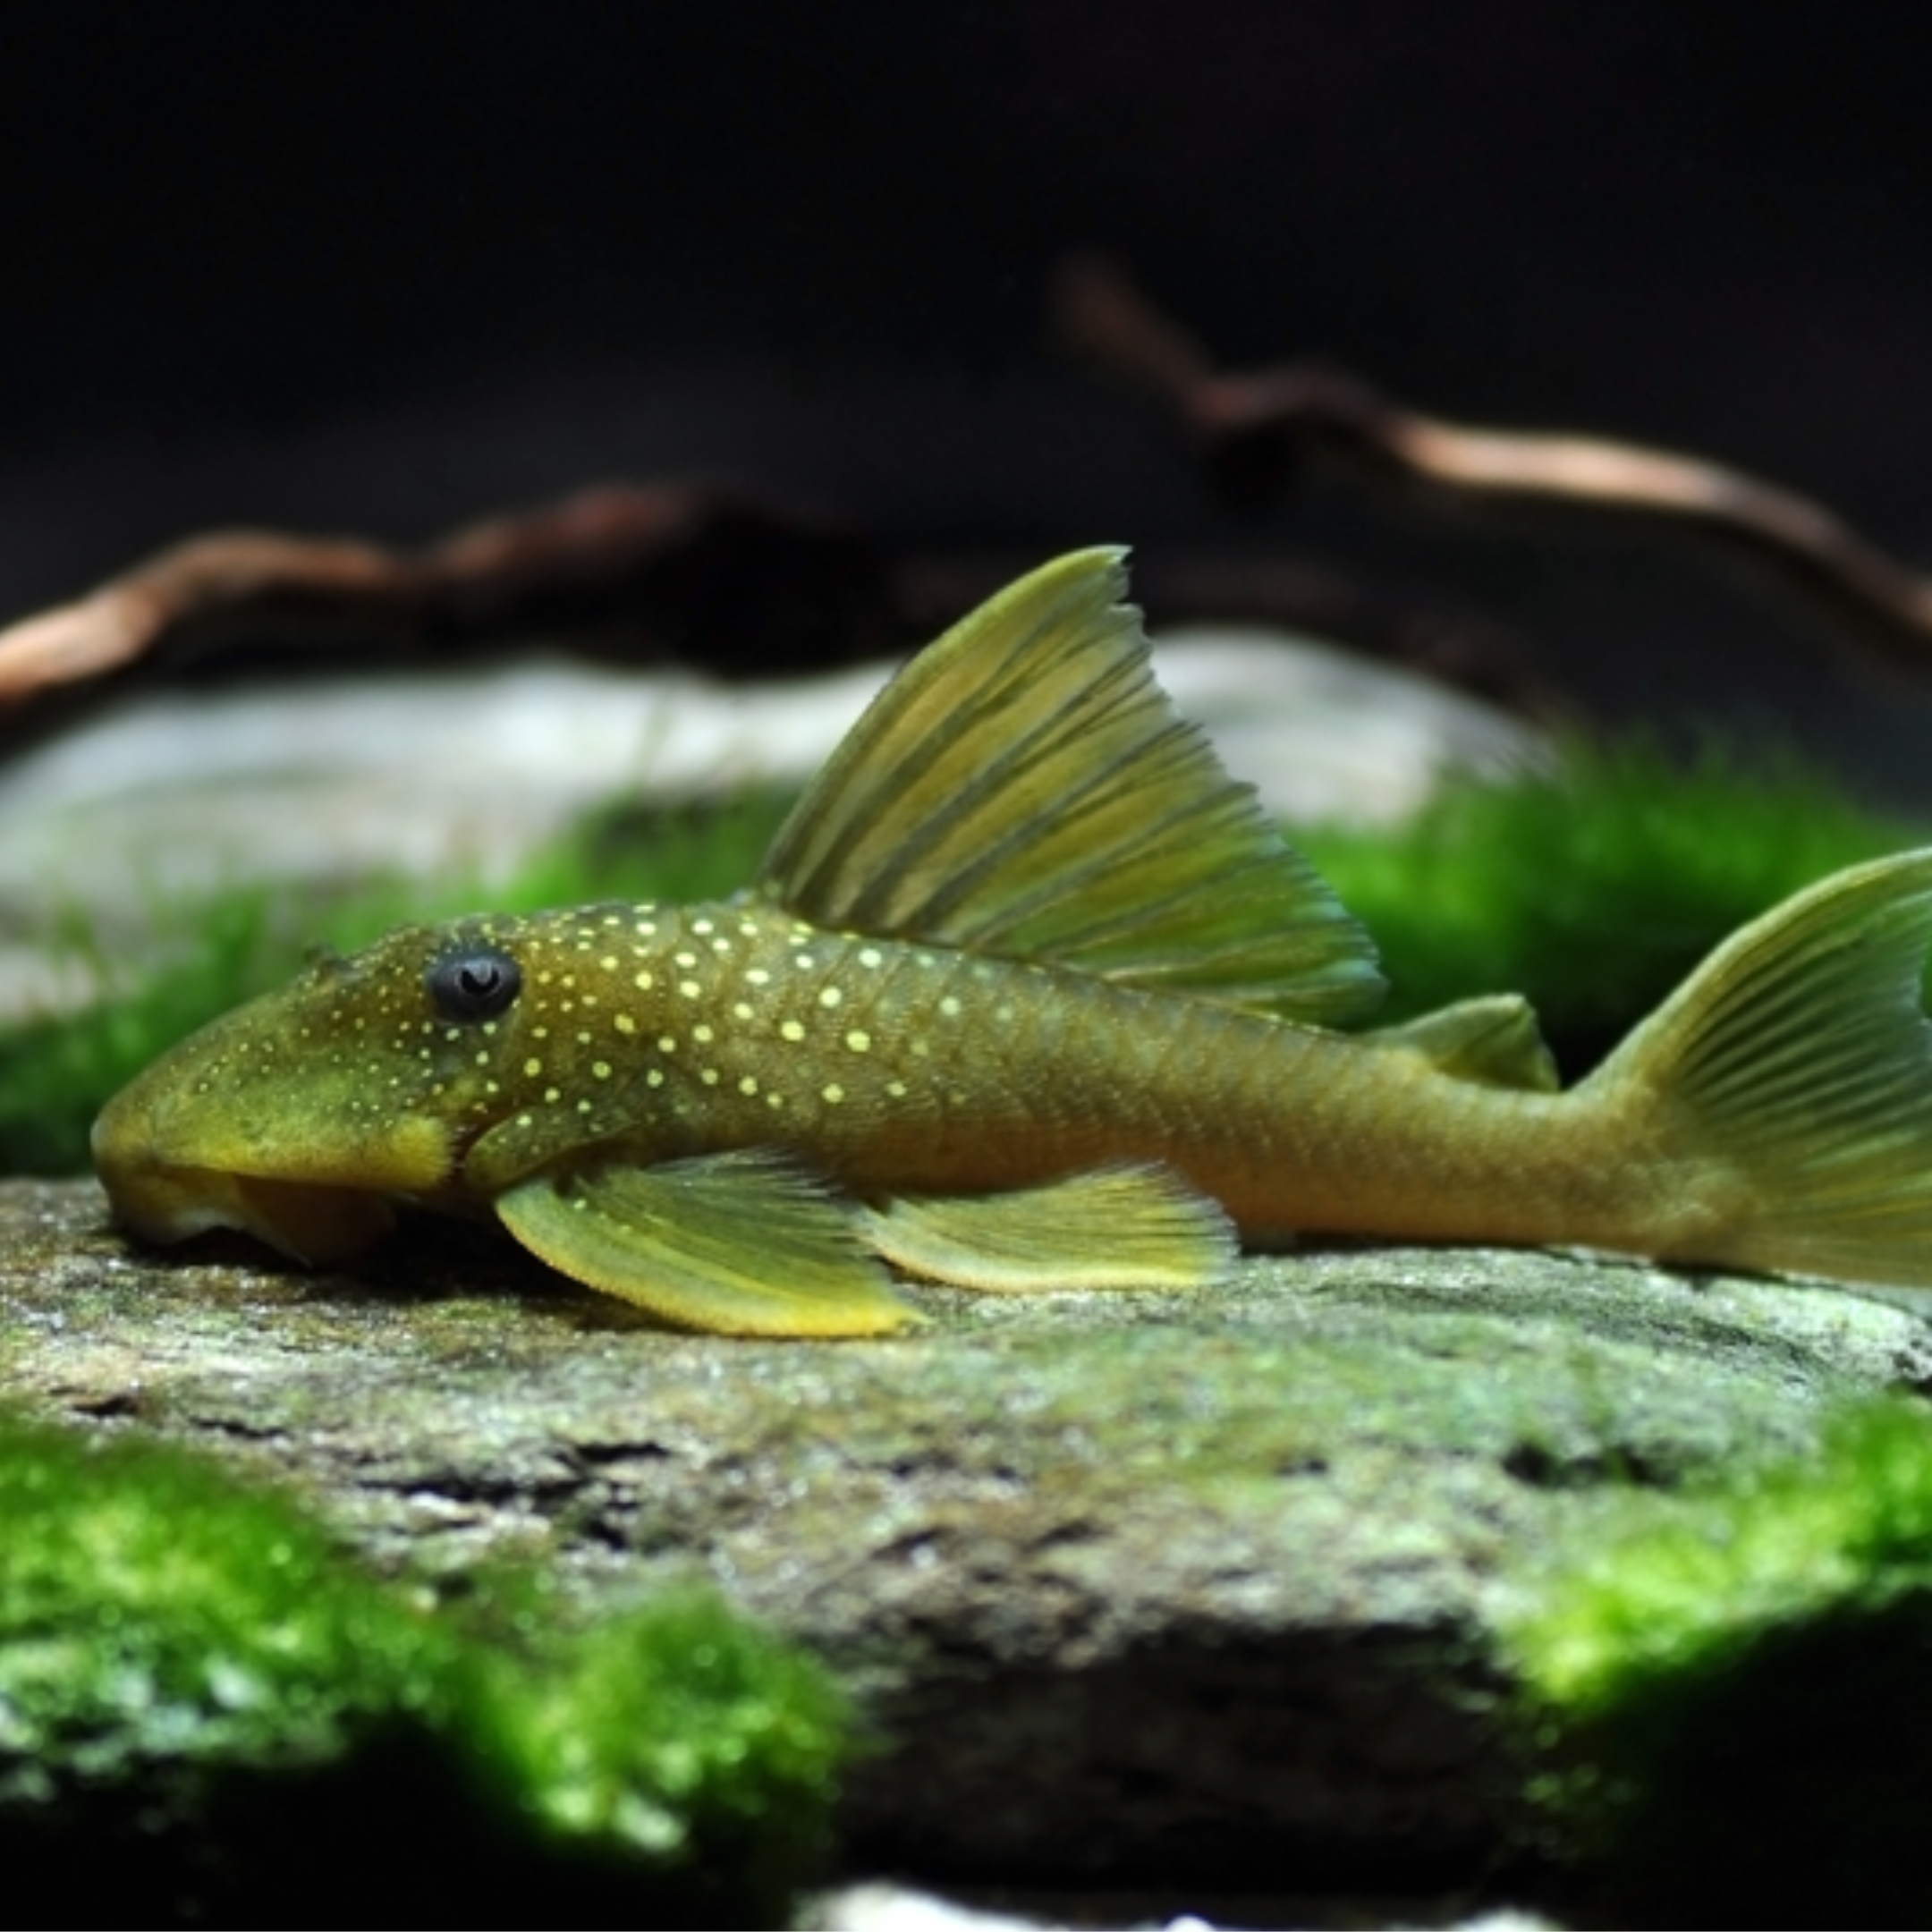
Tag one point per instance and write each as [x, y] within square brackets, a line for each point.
[1133, 1587]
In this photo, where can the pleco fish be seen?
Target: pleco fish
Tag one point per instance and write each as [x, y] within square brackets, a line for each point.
[1029, 994]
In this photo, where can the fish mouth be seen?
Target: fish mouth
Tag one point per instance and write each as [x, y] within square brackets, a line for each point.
[309, 1222]
[171, 1173]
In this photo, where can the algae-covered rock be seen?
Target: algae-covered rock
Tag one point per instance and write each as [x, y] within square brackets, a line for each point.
[209, 1712]
[1734, 1688]
[1129, 1587]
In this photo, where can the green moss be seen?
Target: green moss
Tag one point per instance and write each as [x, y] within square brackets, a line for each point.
[1593, 887]
[1733, 1694]
[154, 1615]
[208, 1710]
[673, 1733]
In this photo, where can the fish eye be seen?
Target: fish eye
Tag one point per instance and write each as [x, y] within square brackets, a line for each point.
[474, 984]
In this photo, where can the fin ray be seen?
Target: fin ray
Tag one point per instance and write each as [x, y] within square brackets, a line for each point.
[1493, 1040]
[739, 1243]
[1024, 788]
[1799, 1057]
[1128, 1227]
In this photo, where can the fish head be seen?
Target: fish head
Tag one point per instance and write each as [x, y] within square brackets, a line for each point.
[299, 1116]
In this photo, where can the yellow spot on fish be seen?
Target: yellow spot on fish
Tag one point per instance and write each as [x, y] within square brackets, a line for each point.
[654, 1077]
[833, 1094]
[829, 995]
[740, 1011]
[533, 1068]
[702, 1034]
[600, 1069]
[665, 1044]
[793, 1030]
[859, 1040]
[757, 976]
[624, 1023]
[748, 1085]
[551, 1094]
[708, 1075]
[688, 989]
[644, 981]
[896, 1089]
[868, 956]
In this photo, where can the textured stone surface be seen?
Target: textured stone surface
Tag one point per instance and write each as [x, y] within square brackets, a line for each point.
[1132, 1587]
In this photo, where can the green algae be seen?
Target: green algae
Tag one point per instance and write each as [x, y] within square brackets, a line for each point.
[1731, 1690]
[154, 1613]
[204, 1700]
[671, 1731]
[1592, 885]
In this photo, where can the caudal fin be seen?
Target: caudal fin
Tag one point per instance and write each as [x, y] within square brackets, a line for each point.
[1792, 1073]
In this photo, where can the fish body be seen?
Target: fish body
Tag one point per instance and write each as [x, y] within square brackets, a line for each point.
[1029, 995]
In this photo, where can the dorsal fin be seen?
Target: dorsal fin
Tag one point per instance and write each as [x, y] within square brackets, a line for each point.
[1023, 788]
[1493, 1040]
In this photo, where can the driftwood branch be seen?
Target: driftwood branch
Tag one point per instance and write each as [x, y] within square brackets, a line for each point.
[761, 588]
[644, 571]
[1257, 431]
[636, 573]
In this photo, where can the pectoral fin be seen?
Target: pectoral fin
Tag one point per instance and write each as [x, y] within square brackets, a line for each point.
[1118, 1227]
[739, 1243]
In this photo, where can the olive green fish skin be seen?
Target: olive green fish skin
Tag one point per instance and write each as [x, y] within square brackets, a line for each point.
[664, 1032]
[1029, 995]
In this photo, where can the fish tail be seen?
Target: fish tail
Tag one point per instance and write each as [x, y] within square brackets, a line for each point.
[1786, 1087]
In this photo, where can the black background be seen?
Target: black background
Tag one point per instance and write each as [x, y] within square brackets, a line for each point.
[384, 267]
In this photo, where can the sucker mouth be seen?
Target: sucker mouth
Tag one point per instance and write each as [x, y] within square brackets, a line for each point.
[311, 1224]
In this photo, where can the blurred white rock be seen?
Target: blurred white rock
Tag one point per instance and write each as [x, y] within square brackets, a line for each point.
[323, 778]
